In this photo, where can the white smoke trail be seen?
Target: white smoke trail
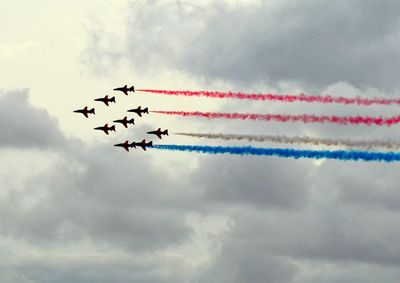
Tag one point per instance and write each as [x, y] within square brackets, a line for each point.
[366, 144]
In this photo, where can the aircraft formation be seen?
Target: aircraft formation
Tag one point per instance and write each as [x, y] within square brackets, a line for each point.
[350, 152]
[124, 121]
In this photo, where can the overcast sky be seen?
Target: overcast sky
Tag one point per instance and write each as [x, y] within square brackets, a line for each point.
[75, 209]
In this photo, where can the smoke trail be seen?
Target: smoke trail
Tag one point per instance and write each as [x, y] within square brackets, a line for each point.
[287, 153]
[327, 99]
[305, 118]
[367, 144]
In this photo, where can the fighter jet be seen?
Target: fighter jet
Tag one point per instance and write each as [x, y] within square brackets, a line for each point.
[139, 111]
[85, 111]
[159, 133]
[126, 145]
[125, 89]
[106, 100]
[125, 121]
[106, 128]
[143, 144]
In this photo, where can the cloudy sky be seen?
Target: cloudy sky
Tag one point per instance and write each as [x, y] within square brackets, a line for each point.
[75, 209]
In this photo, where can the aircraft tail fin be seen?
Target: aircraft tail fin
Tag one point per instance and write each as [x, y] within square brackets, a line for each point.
[112, 128]
[112, 99]
[146, 110]
[92, 111]
[166, 132]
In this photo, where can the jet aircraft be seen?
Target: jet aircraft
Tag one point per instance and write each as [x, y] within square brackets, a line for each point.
[106, 100]
[125, 89]
[85, 111]
[125, 121]
[139, 111]
[106, 128]
[159, 133]
[126, 145]
[143, 144]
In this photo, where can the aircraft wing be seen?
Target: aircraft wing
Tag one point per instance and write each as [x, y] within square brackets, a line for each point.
[86, 114]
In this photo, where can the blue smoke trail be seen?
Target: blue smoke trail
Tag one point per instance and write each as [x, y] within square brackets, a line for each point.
[287, 152]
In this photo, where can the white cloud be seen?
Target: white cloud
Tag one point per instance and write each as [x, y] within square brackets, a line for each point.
[10, 50]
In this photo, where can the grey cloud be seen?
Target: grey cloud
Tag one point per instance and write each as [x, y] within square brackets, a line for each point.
[348, 272]
[377, 188]
[13, 276]
[93, 269]
[256, 182]
[238, 265]
[331, 233]
[101, 194]
[24, 126]
[312, 245]
[304, 41]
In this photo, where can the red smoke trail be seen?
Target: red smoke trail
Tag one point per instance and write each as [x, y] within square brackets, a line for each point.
[279, 97]
[305, 118]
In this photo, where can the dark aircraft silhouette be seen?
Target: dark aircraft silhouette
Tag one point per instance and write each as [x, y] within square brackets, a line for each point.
[143, 144]
[126, 145]
[106, 128]
[139, 111]
[85, 111]
[106, 100]
[125, 89]
[159, 133]
[125, 121]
